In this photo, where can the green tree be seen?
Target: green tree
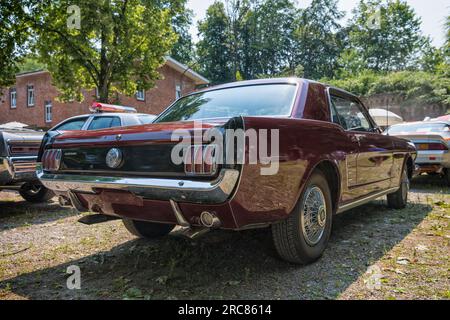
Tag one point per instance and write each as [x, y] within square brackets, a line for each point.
[117, 46]
[213, 48]
[249, 38]
[431, 58]
[13, 39]
[319, 38]
[386, 34]
[183, 49]
[267, 32]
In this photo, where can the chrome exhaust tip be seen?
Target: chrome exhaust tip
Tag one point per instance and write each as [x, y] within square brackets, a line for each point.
[210, 220]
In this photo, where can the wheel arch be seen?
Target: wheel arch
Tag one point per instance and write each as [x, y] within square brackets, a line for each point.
[330, 170]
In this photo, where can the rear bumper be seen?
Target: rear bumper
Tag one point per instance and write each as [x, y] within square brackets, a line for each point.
[432, 161]
[17, 169]
[217, 191]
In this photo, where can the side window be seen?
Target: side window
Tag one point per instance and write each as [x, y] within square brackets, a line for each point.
[104, 123]
[350, 115]
[75, 124]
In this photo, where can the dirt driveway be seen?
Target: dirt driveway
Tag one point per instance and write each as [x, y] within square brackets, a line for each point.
[374, 253]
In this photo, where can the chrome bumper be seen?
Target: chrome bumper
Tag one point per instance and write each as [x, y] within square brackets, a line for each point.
[202, 192]
[17, 169]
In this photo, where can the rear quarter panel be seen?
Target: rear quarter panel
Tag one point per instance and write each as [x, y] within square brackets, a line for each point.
[304, 144]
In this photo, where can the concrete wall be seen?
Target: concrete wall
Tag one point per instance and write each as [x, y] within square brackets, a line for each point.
[409, 111]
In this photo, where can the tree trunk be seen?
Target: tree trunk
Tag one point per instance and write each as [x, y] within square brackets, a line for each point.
[103, 80]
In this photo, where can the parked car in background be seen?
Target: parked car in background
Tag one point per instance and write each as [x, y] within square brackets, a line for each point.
[105, 116]
[19, 149]
[332, 158]
[432, 140]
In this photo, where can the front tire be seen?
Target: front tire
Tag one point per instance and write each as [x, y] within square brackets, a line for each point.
[304, 236]
[399, 199]
[36, 193]
[147, 230]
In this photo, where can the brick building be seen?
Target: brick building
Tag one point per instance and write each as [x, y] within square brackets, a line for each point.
[33, 98]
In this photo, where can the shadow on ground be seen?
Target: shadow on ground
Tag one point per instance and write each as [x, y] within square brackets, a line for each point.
[430, 184]
[227, 265]
[14, 214]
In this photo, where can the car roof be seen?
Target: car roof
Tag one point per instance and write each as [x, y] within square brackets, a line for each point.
[116, 114]
[253, 82]
[291, 80]
[422, 122]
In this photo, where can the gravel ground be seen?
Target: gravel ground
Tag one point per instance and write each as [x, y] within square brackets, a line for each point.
[374, 253]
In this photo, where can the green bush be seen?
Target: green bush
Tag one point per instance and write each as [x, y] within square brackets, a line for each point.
[418, 86]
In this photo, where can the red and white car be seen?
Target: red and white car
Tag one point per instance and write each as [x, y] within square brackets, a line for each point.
[105, 116]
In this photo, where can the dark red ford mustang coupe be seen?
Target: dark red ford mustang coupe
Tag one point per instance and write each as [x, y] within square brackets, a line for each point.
[283, 153]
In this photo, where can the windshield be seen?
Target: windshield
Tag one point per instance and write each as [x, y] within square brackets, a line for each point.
[257, 100]
[420, 128]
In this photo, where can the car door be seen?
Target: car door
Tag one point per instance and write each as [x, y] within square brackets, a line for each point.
[374, 163]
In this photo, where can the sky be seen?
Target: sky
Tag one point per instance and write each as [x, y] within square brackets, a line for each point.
[432, 13]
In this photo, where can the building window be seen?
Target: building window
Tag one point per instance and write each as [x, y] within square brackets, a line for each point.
[48, 111]
[30, 95]
[13, 97]
[178, 91]
[140, 95]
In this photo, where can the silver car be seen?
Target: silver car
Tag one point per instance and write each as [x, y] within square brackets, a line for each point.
[432, 140]
[18, 154]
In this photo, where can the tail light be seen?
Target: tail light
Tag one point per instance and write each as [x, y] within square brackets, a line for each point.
[431, 146]
[200, 160]
[51, 160]
[20, 150]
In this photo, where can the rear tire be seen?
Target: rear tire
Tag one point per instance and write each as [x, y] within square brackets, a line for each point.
[304, 236]
[147, 230]
[399, 199]
[35, 193]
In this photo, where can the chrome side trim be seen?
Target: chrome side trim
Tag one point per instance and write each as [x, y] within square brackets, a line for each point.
[205, 192]
[365, 200]
[179, 215]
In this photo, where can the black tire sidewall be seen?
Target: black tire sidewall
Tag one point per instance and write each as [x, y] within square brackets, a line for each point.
[42, 195]
[314, 252]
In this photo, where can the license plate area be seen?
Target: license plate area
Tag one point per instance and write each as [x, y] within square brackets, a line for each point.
[121, 197]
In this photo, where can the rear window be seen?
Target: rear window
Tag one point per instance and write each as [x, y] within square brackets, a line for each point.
[145, 119]
[256, 100]
[99, 123]
[419, 128]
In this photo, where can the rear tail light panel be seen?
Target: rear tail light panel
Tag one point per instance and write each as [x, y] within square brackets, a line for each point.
[51, 159]
[431, 147]
[201, 160]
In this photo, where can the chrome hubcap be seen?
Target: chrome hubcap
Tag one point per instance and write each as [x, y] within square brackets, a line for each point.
[314, 215]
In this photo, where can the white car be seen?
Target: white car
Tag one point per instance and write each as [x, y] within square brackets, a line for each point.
[432, 140]
[105, 116]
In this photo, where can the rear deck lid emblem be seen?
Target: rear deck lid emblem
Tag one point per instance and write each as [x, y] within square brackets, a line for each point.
[114, 158]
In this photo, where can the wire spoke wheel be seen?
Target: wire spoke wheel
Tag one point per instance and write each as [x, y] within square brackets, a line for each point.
[314, 215]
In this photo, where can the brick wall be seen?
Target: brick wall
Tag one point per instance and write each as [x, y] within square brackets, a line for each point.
[156, 100]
